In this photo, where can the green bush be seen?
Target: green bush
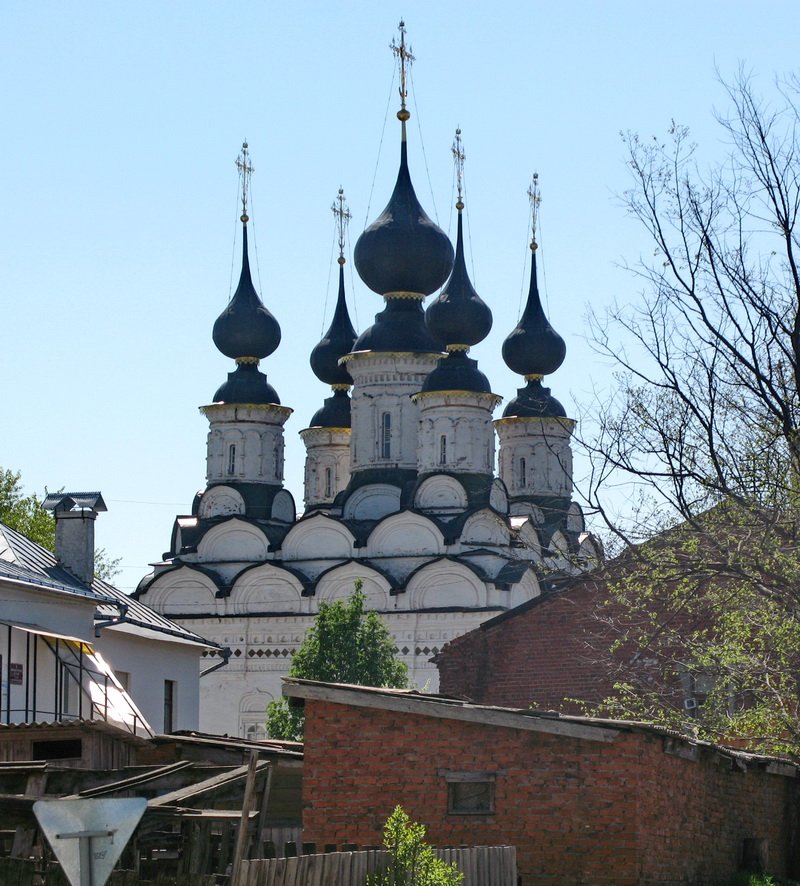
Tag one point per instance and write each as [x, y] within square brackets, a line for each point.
[746, 879]
[412, 861]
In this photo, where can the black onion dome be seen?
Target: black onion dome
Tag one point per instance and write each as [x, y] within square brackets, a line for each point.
[335, 412]
[534, 347]
[457, 372]
[459, 316]
[399, 327]
[246, 384]
[534, 401]
[336, 342]
[403, 250]
[246, 328]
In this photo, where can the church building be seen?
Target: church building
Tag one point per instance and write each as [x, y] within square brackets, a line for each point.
[401, 489]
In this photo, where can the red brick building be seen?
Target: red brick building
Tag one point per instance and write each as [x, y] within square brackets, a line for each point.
[584, 801]
[549, 653]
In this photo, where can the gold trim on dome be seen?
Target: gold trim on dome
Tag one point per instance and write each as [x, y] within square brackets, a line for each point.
[322, 429]
[486, 394]
[340, 387]
[247, 360]
[534, 376]
[348, 357]
[452, 348]
[419, 296]
[265, 407]
[515, 419]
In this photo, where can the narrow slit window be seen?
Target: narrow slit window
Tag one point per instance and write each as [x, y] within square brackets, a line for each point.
[232, 459]
[328, 482]
[386, 435]
[169, 706]
[522, 471]
[443, 450]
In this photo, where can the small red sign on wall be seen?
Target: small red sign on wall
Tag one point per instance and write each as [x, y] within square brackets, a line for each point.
[15, 674]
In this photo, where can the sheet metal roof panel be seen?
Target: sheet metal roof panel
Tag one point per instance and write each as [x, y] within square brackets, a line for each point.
[34, 565]
[34, 579]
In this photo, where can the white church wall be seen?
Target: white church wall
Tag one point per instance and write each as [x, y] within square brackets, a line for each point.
[231, 697]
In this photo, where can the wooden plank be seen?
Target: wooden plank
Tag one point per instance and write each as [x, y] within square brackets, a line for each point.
[135, 779]
[176, 798]
[262, 821]
[240, 852]
[314, 875]
[272, 873]
[345, 872]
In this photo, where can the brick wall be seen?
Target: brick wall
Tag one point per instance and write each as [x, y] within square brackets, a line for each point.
[543, 654]
[578, 811]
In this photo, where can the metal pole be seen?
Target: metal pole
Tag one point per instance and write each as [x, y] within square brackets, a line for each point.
[35, 676]
[8, 678]
[27, 677]
[84, 839]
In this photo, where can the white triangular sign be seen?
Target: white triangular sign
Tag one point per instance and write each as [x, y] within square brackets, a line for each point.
[88, 836]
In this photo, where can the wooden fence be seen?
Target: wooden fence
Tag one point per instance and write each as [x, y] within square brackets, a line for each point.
[481, 866]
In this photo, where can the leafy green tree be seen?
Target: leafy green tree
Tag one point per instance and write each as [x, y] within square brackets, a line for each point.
[344, 645]
[25, 514]
[412, 860]
[705, 429]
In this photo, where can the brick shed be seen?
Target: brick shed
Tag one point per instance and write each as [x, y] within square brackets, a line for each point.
[584, 801]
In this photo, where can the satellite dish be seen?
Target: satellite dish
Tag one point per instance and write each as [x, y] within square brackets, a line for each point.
[88, 836]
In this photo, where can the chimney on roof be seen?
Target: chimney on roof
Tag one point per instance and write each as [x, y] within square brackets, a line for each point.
[75, 513]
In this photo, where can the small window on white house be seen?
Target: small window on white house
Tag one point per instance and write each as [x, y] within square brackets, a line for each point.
[232, 459]
[522, 471]
[469, 793]
[386, 435]
[328, 482]
[443, 450]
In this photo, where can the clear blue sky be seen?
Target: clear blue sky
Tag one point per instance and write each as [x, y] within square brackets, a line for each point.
[121, 123]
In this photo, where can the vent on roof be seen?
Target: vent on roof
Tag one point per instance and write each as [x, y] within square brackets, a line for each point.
[75, 513]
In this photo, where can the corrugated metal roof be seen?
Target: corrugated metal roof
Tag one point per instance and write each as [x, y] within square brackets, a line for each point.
[23, 560]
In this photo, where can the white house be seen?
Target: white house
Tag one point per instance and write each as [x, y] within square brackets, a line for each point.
[74, 647]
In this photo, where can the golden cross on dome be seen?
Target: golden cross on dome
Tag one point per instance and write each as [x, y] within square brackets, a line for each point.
[245, 171]
[343, 215]
[404, 58]
[458, 158]
[536, 198]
